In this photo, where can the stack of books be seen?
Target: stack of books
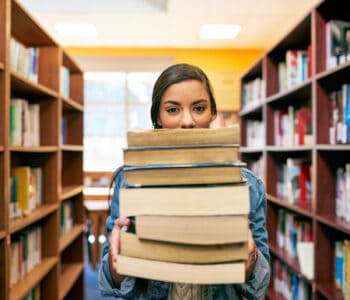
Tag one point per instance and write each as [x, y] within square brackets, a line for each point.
[189, 207]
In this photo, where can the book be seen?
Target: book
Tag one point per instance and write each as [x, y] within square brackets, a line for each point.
[185, 201]
[132, 246]
[167, 137]
[148, 175]
[198, 230]
[222, 273]
[180, 154]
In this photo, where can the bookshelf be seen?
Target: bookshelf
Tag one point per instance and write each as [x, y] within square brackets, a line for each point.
[57, 165]
[323, 158]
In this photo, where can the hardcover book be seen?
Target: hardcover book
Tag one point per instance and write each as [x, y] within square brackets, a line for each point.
[167, 137]
[132, 246]
[167, 174]
[221, 273]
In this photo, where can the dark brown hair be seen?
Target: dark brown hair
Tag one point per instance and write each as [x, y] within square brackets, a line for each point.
[175, 74]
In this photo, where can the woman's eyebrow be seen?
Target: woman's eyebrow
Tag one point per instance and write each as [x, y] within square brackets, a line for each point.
[200, 100]
[171, 102]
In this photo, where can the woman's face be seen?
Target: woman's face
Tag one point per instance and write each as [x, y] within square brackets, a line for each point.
[185, 105]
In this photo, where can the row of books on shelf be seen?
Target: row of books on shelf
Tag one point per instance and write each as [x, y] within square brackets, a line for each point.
[295, 69]
[255, 134]
[342, 202]
[64, 81]
[24, 123]
[339, 129]
[177, 228]
[288, 283]
[26, 190]
[292, 229]
[337, 42]
[294, 181]
[34, 293]
[67, 216]
[293, 127]
[25, 252]
[342, 267]
[253, 93]
[24, 60]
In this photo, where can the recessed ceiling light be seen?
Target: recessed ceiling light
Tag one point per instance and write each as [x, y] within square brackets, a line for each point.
[219, 31]
[76, 30]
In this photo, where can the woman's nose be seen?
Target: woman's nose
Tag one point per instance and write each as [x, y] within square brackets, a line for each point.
[187, 120]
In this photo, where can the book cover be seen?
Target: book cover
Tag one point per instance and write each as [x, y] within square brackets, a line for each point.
[221, 273]
[180, 154]
[132, 246]
[200, 230]
[180, 174]
[166, 137]
[185, 200]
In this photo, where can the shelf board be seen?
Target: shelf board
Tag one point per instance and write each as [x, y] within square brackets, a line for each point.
[293, 263]
[338, 71]
[23, 85]
[39, 213]
[300, 91]
[23, 287]
[305, 211]
[69, 275]
[334, 222]
[251, 150]
[2, 234]
[2, 66]
[40, 149]
[288, 149]
[251, 110]
[71, 191]
[340, 147]
[69, 104]
[70, 236]
[76, 148]
[329, 291]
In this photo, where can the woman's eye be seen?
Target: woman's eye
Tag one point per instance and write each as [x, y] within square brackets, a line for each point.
[172, 110]
[199, 108]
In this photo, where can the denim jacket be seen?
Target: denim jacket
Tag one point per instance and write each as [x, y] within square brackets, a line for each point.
[252, 289]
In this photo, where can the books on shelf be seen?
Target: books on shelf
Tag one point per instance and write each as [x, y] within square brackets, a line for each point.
[210, 173]
[181, 154]
[197, 230]
[25, 252]
[24, 123]
[172, 137]
[253, 93]
[337, 42]
[255, 134]
[26, 190]
[132, 246]
[342, 187]
[219, 273]
[64, 82]
[185, 200]
[66, 216]
[24, 60]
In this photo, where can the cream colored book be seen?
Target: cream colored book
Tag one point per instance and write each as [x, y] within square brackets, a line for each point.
[166, 137]
[185, 201]
[197, 230]
[182, 154]
[223, 273]
[131, 246]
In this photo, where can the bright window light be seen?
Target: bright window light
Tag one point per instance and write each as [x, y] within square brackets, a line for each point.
[219, 31]
[76, 30]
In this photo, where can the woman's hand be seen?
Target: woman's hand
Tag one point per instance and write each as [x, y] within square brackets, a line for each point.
[114, 239]
[252, 256]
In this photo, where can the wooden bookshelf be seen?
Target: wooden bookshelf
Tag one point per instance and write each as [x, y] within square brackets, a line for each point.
[61, 165]
[325, 158]
[69, 274]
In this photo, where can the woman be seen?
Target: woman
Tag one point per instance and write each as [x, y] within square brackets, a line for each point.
[182, 98]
